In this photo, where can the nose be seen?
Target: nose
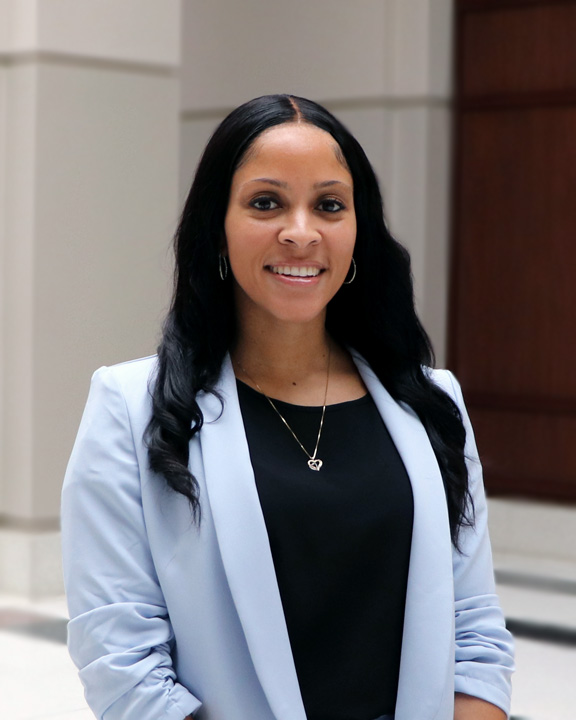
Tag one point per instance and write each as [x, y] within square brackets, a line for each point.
[299, 230]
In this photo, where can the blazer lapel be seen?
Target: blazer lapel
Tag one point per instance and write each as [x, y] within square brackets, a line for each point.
[427, 663]
[245, 549]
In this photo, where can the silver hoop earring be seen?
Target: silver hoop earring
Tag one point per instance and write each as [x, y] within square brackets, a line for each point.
[222, 267]
[353, 266]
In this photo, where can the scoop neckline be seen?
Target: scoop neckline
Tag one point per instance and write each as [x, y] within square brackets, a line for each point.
[316, 408]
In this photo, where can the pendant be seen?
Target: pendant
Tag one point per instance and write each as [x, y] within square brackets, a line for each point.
[315, 464]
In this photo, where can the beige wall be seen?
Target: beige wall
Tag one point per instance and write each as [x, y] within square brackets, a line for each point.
[89, 192]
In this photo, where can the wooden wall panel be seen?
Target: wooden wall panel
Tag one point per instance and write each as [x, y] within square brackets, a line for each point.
[477, 5]
[512, 339]
[508, 50]
[517, 266]
[528, 453]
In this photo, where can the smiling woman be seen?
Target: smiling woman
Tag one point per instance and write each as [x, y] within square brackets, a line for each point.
[290, 228]
[282, 514]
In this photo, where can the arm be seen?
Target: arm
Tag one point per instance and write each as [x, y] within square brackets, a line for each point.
[120, 636]
[484, 648]
[467, 707]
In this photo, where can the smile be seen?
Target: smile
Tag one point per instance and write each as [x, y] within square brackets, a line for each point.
[295, 271]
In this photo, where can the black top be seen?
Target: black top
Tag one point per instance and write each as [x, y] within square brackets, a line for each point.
[340, 540]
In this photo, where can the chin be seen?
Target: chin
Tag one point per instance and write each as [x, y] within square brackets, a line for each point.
[300, 310]
[306, 316]
[288, 311]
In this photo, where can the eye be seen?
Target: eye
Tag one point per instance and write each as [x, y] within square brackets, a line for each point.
[264, 203]
[331, 205]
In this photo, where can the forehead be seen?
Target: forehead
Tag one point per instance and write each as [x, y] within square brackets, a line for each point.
[294, 144]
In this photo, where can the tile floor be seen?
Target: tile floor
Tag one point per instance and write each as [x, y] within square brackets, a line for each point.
[39, 682]
[37, 678]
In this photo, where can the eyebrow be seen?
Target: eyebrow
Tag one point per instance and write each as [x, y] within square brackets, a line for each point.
[328, 183]
[270, 181]
[280, 183]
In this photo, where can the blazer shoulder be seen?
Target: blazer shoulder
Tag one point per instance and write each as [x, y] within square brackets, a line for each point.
[130, 376]
[446, 381]
[127, 385]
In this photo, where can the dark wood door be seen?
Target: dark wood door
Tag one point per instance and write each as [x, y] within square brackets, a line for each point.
[512, 323]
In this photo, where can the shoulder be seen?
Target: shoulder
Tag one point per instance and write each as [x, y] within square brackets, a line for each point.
[122, 391]
[131, 377]
[446, 381]
[130, 370]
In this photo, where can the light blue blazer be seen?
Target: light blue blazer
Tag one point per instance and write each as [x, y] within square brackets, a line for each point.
[170, 619]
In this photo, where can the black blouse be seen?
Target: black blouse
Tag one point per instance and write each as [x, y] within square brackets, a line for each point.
[340, 540]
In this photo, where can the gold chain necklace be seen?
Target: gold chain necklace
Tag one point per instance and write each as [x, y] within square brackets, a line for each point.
[314, 463]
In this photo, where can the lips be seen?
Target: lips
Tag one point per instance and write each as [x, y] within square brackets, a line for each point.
[299, 271]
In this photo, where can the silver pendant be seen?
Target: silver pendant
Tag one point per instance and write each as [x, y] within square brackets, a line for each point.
[315, 464]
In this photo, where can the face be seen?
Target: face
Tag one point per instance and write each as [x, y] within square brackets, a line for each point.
[290, 225]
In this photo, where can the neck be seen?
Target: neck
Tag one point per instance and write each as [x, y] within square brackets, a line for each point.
[285, 361]
[282, 348]
[290, 362]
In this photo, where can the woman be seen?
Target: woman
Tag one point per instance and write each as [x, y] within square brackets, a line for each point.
[282, 515]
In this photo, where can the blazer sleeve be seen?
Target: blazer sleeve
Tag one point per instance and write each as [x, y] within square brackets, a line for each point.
[119, 635]
[484, 647]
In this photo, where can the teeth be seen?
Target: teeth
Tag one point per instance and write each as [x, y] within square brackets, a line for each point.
[294, 271]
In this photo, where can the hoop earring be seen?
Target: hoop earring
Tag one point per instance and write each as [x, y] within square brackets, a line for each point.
[349, 282]
[222, 267]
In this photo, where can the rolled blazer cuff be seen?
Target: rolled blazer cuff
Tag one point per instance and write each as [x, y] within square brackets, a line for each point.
[484, 652]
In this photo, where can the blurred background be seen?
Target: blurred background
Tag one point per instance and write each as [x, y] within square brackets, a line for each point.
[467, 110]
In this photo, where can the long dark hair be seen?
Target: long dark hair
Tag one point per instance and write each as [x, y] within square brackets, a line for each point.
[374, 315]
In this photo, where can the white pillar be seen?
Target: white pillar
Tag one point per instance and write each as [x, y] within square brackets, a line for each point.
[89, 122]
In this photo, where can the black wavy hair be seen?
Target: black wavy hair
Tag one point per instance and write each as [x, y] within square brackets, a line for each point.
[374, 315]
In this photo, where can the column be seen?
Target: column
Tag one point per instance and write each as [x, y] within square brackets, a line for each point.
[89, 157]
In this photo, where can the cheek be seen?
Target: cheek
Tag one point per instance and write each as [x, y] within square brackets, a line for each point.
[234, 238]
[248, 241]
[347, 239]
[244, 253]
[241, 228]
